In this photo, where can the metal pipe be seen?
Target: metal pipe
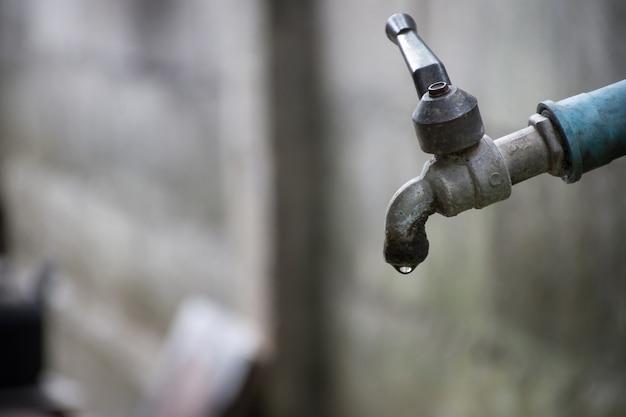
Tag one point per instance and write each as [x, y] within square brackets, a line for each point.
[525, 153]
[532, 151]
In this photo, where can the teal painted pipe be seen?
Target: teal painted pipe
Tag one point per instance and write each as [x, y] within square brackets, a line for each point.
[593, 127]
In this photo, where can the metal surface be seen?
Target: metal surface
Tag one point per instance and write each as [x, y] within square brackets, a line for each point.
[446, 119]
[593, 126]
[475, 178]
[406, 244]
[553, 141]
[448, 122]
[470, 170]
[425, 67]
[531, 151]
[448, 185]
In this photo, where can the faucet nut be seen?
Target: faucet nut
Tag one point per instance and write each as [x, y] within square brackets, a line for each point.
[447, 120]
[438, 89]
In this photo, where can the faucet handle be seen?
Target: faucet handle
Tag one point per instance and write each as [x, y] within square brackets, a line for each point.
[446, 119]
[426, 69]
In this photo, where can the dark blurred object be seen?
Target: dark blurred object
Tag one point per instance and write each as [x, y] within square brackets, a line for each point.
[22, 346]
[22, 331]
[209, 366]
[250, 400]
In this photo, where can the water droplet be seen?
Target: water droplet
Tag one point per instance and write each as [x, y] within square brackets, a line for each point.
[404, 269]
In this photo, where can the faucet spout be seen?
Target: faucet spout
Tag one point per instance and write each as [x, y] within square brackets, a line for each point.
[474, 178]
[406, 245]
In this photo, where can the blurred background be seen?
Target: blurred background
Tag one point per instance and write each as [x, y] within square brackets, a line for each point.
[243, 152]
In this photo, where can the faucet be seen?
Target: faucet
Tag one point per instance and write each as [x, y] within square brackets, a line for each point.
[471, 170]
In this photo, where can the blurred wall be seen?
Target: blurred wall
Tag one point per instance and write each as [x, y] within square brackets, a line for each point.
[135, 157]
[139, 142]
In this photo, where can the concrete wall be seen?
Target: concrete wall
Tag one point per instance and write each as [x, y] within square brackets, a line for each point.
[135, 157]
